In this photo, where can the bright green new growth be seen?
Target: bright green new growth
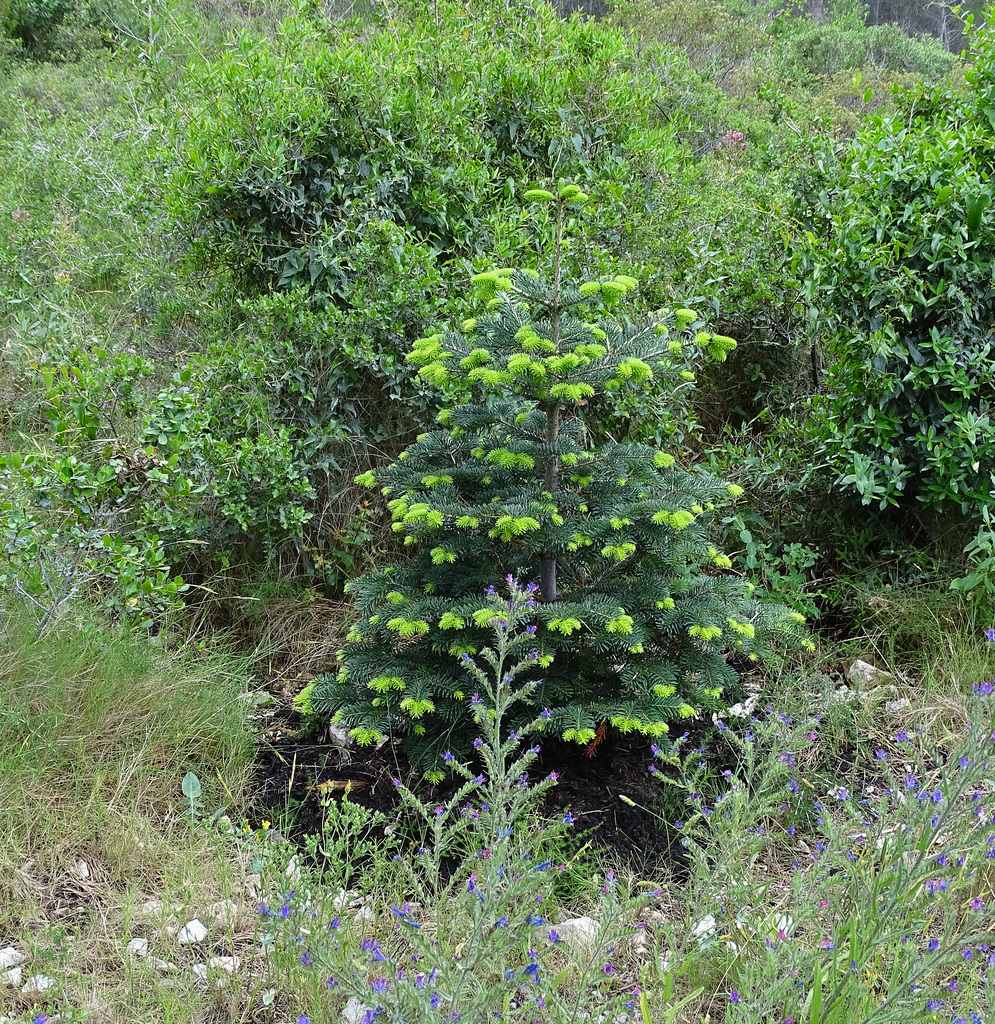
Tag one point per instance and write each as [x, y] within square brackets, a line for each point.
[635, 604]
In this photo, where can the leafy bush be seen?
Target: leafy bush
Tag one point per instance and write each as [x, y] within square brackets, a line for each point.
[827, 49]
[303, 167]
[901, 287]
[886, 907]
[57, 29]
[78, 511]
[633, 604]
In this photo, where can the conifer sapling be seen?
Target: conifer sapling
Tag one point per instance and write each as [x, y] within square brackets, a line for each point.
[638, 610]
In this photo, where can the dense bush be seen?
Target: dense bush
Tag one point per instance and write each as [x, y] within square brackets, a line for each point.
[61, 29]
[901, 285]
[635, 614]
[826, 49]
[304, 166]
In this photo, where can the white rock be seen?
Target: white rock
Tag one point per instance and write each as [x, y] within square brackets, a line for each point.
[866, 676]
[578, 932]
[354, 1012]
[225, 913]
[898, 705]
[13, 977]
[162, 965]
[192, 931]
[293, 872]
[225, 963]
[365, 914]
[705, 928]
[10, 957]
[346, 898]
[81, 869]
[140, 947]
[843, 695]
[745, 709]
[783, 923]
[199, 972]
[37, 983]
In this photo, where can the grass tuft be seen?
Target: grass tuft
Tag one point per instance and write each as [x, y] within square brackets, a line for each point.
[97, 730]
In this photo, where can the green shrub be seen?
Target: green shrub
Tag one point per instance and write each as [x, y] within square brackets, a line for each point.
[827, 49]
[304, 166]
[634, 605]
[901, 288]
[58, 29]
[78, 509]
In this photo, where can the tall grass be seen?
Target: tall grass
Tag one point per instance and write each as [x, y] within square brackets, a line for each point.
[96, 732]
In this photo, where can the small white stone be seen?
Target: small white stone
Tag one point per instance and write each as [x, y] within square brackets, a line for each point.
[225, 963]
[199, 972]
[783, 923]
[140, 947]
[293, 872]
[578, 932]
[192, 931]
[343, 899]
[37, 983]
[898, 705]
[225, 913]
[81, 869]
[354, 1012]
[705, 928]
[10, 957]
[745, 709]
[843, 695]
[13, 976]
[162, 965]
[866, 676]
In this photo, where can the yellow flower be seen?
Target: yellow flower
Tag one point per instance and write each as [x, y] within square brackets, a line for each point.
[265, 824]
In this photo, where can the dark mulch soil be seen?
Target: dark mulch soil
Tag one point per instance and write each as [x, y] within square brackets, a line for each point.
[289, 768]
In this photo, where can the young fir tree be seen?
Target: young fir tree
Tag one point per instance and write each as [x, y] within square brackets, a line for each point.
[637, 610]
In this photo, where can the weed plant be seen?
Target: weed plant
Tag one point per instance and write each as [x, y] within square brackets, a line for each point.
[476, 937]
[832, 903]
